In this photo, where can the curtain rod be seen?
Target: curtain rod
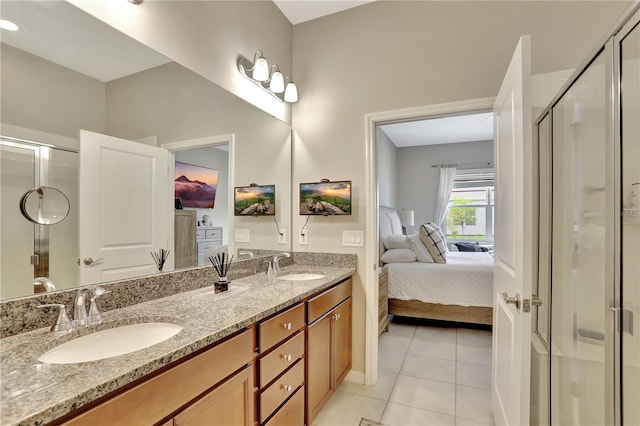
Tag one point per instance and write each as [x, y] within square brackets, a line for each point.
[465, 165]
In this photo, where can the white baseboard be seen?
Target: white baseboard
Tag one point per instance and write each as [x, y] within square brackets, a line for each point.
[355, 377]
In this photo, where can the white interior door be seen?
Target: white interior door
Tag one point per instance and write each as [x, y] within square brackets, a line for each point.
[514, 246]
[122, 209]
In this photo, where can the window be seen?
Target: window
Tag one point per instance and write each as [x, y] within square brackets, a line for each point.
[471, 207]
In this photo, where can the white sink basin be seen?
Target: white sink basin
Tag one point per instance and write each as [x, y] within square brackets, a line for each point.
[111, 342]
[300, 277]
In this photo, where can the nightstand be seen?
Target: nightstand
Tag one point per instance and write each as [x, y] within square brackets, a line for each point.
[383, 301]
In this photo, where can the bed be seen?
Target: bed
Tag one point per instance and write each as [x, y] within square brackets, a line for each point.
[460, 290]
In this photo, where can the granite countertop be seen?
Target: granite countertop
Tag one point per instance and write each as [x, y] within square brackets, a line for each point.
[34, 393]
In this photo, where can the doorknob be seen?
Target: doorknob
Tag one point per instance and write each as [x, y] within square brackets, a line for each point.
[89, 261]
[512, 300]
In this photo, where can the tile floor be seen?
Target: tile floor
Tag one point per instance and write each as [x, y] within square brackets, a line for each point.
[427, 375]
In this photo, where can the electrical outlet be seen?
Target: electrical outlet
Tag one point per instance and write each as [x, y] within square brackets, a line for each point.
[303, 240]
[242, 235]
[282, 236]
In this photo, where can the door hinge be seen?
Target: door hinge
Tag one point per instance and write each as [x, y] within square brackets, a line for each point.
[35, 260]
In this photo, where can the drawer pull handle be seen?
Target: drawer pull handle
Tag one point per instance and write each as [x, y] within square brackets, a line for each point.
[287, 388]
[286, 325]
[286, 357]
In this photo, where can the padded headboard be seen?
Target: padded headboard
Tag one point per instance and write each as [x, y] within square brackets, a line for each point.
[389, 224]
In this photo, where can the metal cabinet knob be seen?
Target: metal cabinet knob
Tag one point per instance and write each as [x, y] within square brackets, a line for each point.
[286, 357]
[287, 388]
[286, 325]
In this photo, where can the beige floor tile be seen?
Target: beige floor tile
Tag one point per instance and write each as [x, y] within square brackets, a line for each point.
[468, 337]
[390, 361]
[423, 393]
[443, 370]
[346, 409]
[474, 354]
[436, 334]
[460, 421]
[393, 343]
[402, 415]
[404, 330]
[474, 404]
[473, 375]
[381, 390]
[431, 349]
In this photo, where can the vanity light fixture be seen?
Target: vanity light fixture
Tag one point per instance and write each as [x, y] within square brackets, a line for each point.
[274, 82]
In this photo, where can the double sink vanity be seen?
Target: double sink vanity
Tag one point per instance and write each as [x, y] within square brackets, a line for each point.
[264, 352]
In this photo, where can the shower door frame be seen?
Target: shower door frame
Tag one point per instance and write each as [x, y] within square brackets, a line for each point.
[41, 152]
[610, 46]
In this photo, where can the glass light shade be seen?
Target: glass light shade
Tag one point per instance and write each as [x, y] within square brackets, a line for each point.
[291, 93]
[8, 25]
[260, 70]
[277, 82]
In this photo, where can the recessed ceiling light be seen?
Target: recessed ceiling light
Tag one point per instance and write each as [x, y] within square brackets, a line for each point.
[8, 25]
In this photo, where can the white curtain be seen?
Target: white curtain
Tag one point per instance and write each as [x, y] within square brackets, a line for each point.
[447, 177]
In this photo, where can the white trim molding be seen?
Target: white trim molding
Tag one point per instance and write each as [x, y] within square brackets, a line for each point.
[372, 120]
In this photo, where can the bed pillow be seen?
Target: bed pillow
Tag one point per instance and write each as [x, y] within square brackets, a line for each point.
[420, 250]
[398, 256]
[435, 244]
[440, 233]
[474, 247]
[396, 241]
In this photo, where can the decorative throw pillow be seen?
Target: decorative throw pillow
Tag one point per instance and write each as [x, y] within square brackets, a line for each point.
[398, 256]
[396, 241]
[422, 254]
[440, 233]
[465, 246]
[434, 243]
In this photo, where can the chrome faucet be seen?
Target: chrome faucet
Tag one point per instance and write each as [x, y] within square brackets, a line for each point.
[246, 252]
[45, 282]
[276, 259]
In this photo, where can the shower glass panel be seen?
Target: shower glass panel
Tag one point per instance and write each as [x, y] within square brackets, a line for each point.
[28, 249]
[17, 175]
[582, 331]
[630, 116]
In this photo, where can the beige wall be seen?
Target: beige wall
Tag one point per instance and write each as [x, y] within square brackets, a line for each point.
[392, 54]
[207, 37]
[40, 95]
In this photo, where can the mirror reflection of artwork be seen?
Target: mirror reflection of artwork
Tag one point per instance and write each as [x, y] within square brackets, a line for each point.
[255, 200]
[195, 186]
[325, 198]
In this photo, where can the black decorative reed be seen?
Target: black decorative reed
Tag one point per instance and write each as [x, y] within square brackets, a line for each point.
[160, 257]
[221, 264]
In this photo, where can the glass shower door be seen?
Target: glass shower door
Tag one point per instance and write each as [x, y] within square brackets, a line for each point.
[582, 253]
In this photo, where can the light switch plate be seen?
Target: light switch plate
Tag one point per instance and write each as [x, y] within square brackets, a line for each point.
[282, 236]
[352, 238]
[242, 235]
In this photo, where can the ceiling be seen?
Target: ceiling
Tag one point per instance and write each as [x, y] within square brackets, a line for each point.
[77, 37]
[453, 129]
[298, 11]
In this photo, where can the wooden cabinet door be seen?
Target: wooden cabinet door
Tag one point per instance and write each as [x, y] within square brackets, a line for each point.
[341, 340]
[229, 404]
[319, 380]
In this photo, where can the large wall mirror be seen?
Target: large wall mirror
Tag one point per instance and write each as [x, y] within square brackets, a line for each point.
[65, 73]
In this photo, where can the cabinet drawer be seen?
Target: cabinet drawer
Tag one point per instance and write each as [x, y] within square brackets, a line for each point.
[280, 390]
[281, 358]
[280, 327]
[159, 396]
[213, 233]
[291, 413]
[322, 303]
[200, 234]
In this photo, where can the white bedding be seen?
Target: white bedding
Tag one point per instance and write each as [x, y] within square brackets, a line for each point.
[466, 279]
